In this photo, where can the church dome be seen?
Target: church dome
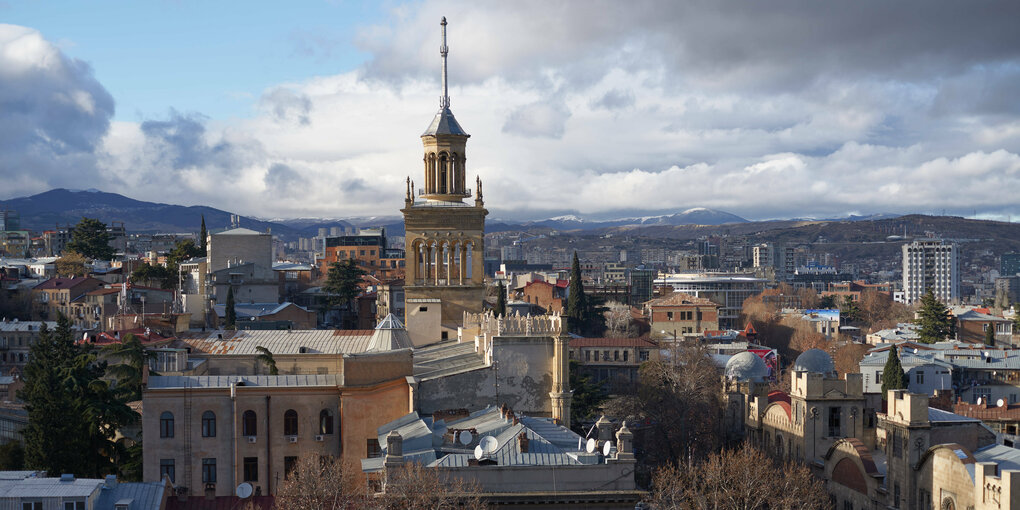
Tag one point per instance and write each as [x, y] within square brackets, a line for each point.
[746, 366]
[816, 361]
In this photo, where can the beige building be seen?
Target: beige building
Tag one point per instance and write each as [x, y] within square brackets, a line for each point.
[240, 246]
[445, 237]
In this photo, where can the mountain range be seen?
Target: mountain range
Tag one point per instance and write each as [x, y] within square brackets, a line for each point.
[61, 207]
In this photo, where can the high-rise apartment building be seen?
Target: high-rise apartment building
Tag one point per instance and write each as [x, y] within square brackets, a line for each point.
[931, 263]
[1009, 264]
[781, 258]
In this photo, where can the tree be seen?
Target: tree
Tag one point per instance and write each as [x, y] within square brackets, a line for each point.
[416, 487]
[321, 483]
[893, 377]
[577, 303]
[828, 302]
[12, 456]
[266, 358]
[130, 358]
[588, 396]
[743, 478]
[72, 413]
[849, 311]
[182, 251]
[202, 235]
[342, 282]
[90, 238]
[618, 320]
[71, 264]
[230, 314]
[501, 300]
[154, 274]
[934, 320]
[990, 334]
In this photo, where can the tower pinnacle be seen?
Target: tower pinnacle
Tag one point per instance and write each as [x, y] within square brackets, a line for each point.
[444, 102]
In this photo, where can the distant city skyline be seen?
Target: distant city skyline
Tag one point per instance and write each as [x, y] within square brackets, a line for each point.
[779, 110]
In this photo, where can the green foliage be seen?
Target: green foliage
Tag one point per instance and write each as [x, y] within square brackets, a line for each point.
[588, 396]
[149, 274]
[849, 311]
[90, 238]
[131, 463]
[130, 358]
[827, 302]
[12, 456]
[893, 377]
[202, 235]
[230, 314]
[934, 320]
[577, 302]
[342, 282]
[990, 334]
[72, 413]
[501, 300]
[266, 358]
[183, 251]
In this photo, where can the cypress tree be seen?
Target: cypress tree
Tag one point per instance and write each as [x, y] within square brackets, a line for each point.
[202, 238]
[230, 315]
[501, 300]
[934, 320]
[893, 377]
[577, 306]
[990, 334]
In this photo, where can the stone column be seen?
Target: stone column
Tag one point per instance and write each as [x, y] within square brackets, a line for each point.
[462, 260]
[561, 395]
[448, 253]
[477, 262]
[411, 264]
[394, 454]
[624, 444]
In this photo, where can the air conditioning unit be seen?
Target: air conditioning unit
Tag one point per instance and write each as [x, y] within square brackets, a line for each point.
[320, 438]
[251, 439]
[291, 439]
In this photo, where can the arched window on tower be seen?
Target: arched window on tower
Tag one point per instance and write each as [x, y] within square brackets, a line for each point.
[443, 169]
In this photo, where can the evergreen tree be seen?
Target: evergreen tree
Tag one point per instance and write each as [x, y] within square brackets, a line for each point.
[265, 357]
[202, 235]
[342, 282]
[90, 238]
[934, 320]
[501, 300]
[849, 312]
[229, 314]
[588, 396]
[131, 357]
[182, 251]
[990, 334]
[72, 413]
[577, 303]
[893, 377]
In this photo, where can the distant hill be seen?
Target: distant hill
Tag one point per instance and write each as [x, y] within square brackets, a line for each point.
[694, 216]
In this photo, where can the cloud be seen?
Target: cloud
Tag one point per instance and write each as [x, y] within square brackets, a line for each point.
[614, 100]
[286, 105]
[541, 119]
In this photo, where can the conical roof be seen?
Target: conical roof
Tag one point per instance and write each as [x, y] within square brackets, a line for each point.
[444, 124]
[389, 335]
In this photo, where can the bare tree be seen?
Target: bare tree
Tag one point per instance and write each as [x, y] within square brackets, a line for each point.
[617, 319]
[322, 483]
[415, 487]
[743, 478]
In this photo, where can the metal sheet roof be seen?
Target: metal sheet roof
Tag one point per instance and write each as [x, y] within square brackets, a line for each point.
[224, 381]
[143, 495]
[49, 488]
[290, 341]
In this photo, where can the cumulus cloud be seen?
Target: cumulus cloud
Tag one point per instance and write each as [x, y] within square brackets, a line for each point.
[542, 119]
[286, 105]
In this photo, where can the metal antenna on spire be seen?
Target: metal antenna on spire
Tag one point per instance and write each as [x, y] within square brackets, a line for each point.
[444, 102]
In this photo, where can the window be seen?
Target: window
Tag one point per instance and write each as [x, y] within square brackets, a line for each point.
[166, 468]
[643, 355]
[423, 308]
[208, 470]
[616, 355]
[897, 448]
[251, 469]
[605, 355]
[669, 316]
[32, 505]
[896, 495]
[288, 466]
[74, 505]
[208, 424]
[625, 353]
[166, 424]
[325, 422]
[249, 427]
[373, 448]
[290, 423]
[919, 377]
[587, 355]
[834, 415]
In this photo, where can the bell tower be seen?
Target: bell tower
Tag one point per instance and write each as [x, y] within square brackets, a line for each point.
[444, 236]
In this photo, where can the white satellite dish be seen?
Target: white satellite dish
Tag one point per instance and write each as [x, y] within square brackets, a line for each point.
[489, 444]
[1000, 403]
[607, 447]
[479, 453]
[590, 446]
[465, 437]
[980, 401]
[244, 491]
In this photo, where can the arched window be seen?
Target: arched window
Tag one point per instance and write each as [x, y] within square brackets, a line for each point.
[443, 168]
[208, 424]
[166, 424]
[325, 422]
[249, 425]
[290, 423]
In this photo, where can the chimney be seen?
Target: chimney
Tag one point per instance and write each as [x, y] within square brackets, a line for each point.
[523, 441]
[111, 482]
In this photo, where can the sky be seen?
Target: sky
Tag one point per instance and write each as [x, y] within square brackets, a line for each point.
[602, 109]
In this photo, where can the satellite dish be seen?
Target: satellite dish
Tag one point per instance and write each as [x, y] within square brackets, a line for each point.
[244, 491]
[465, 437]
[607, 447]
[479, 453]
[489, 444]
[590, 446]
[1000, 403]
[980, 401]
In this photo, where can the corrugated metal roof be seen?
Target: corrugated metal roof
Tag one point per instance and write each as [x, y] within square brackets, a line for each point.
[49, 488]
[13, 326]
[938, 415]
[224, 381]
[143, 495]
[290, 341]
[1007, 458]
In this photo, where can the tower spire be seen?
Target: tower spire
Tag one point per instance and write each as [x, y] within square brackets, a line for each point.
[444, 102]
